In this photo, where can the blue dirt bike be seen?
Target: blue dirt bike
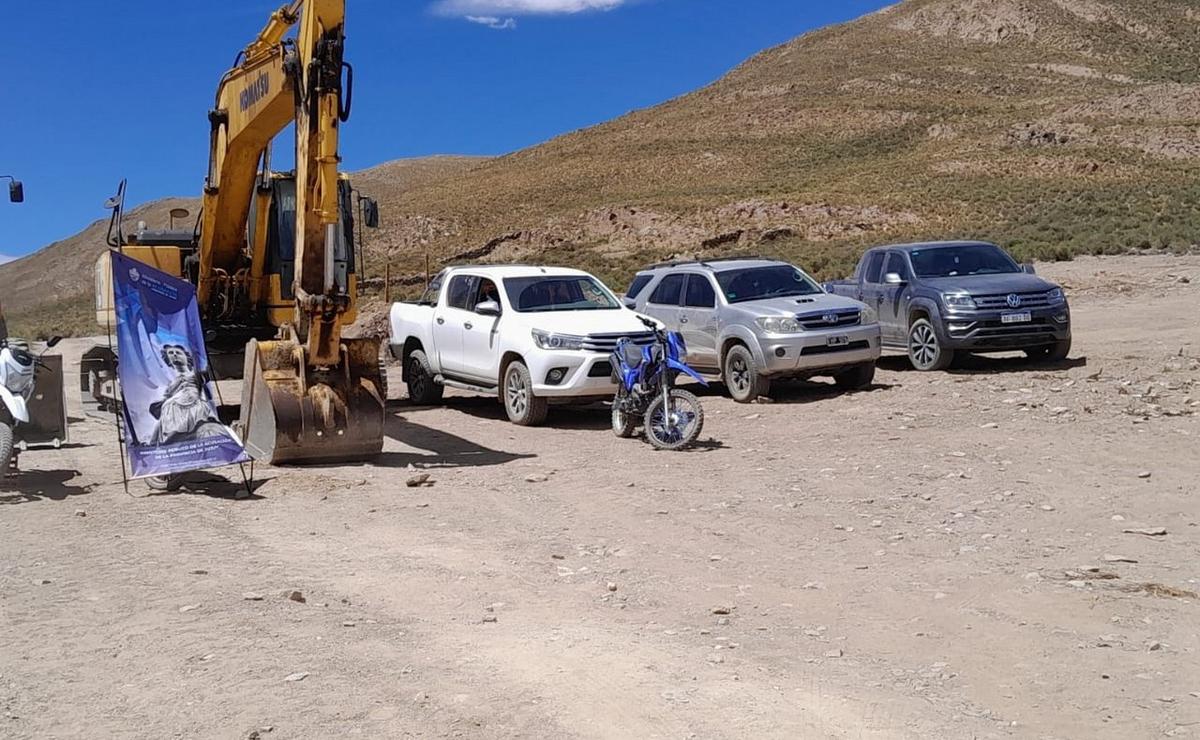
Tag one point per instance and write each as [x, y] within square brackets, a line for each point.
[646, 392]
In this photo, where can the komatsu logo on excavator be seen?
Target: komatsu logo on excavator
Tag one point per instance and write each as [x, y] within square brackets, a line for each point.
[255, 91]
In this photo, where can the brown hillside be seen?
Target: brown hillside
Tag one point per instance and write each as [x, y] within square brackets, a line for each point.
[1054, 126]
[51, 290]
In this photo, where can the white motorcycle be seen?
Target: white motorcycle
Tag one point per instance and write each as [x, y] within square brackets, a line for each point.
[17, 369]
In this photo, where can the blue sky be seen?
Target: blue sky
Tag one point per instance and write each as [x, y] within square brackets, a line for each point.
[93, 92]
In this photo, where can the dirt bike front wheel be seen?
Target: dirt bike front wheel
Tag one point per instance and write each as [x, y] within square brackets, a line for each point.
[676, 426]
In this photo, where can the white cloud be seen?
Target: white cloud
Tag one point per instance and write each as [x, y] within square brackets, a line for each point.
[493, 22]
[495, 9]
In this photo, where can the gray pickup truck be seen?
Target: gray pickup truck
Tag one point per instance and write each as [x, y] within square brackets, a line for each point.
[936, 299]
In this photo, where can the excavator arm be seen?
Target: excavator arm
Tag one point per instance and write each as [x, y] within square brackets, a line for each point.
[311, 395]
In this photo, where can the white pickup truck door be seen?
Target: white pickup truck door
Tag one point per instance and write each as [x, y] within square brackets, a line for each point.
[480, 345]
[449, 320]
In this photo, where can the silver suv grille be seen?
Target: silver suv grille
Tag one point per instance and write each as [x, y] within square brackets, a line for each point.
[1024, 300]
[831, 319]
[608, 342]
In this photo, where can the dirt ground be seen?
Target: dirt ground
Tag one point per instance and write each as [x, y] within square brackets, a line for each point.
[944, 556]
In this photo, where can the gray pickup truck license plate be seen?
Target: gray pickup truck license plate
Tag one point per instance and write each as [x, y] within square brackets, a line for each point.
[1016, 318]
[838, 341]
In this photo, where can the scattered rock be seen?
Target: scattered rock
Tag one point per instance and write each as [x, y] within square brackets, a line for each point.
[537, 478]
[722, 610]
[80, 512]
[1047, 507]
[349, 623]
[1154, 646]
[1118, 559]
[188, 608]
[198, 572]
[723, 622]
[715, 658]
[418, 481]
[297, 596]
[294, 677]
[490, 619]
[252, 596]
[836, 653]
[42, 581]
[1145, 474]
[1148, 531]
[612, 586]
[990, 425]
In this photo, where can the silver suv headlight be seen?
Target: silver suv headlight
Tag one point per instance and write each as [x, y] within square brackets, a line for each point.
[780, 325]
[1056, 296]
[958, 300]
[550, 340]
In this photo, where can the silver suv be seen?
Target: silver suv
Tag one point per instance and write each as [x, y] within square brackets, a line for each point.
[752, 320]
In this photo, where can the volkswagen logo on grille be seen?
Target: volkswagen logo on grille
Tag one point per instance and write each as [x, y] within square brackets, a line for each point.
[830, 318]
[1014, 301]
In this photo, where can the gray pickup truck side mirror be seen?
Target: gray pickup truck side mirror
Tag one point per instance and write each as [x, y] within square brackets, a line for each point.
[1028, 269]
[488, 308]
[893, 278]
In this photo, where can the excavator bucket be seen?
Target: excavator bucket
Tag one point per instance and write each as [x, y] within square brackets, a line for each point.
[293, 413]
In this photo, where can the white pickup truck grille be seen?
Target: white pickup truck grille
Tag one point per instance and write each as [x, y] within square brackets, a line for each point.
[608, 342]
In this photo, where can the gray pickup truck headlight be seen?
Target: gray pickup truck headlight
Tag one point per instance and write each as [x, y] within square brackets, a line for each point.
[549, 340]
[1056, 296]
[780, 325]
[958, 300]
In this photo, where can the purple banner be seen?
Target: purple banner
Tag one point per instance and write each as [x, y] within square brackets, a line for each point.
[171, 423]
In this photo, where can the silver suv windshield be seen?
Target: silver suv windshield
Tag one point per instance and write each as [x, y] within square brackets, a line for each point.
[969, 259]
[760, 283]
[545, 293]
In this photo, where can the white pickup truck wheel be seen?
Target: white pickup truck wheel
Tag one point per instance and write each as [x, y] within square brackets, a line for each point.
[422, 389]
[524, 408]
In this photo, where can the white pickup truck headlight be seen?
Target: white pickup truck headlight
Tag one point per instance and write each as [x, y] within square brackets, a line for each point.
[1056, 296]
[780, 325]
[549, 340]
[958, 300]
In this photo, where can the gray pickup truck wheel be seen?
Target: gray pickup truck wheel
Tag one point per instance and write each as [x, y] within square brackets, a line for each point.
[741, 376]
[925, 350]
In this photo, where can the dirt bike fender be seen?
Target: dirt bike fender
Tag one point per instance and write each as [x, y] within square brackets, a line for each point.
[15, 405]
[680, 367]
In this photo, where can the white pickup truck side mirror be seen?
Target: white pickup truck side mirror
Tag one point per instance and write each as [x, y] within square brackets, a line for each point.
[488, 308]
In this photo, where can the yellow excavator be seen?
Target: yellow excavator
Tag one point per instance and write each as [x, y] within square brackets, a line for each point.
[273, 255]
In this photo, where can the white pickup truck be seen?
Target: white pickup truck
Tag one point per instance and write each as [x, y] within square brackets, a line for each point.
[532, 335]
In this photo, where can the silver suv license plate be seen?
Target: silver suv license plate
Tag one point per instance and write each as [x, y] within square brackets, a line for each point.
[838, 341]
[1016, 318]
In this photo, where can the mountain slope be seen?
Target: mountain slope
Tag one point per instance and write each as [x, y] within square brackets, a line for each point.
[1054, 126]
[51, 290]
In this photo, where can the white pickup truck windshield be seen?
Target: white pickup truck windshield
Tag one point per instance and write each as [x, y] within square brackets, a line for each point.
[544, 293]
